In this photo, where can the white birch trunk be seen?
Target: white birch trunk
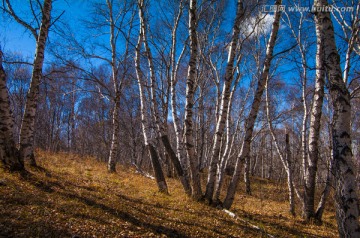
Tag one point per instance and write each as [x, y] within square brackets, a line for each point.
[189, 104]
[9, 154]
[224, 105]
[250, 122]
[314, 134]
[159, 176]
[154, 105]
[28, 121]
[173, 82]
[228, 146]
[305, 114]
[289, 173]
[115, 134]
[116, 108]
[347, 203]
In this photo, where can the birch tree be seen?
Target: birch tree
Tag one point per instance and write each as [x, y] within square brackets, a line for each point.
[116, 107]
[189, 104]
[181, 166]
[311, 162]
[159, 176]
[26, 139]
[160, 126]
[174, 65]
[9, 154]
[310, 149]
[224, 105]
[284, 157]
[347, 203]
[230, 142]
[114, 20]
[250, 121]
[351, 30]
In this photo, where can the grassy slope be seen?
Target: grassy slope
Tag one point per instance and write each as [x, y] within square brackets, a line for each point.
[76, 196]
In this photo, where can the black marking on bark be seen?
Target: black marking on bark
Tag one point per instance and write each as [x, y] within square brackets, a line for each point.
[345, 151]
[349, 171]
[344, 134]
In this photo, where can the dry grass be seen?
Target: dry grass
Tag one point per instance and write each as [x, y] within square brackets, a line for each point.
[73, 196]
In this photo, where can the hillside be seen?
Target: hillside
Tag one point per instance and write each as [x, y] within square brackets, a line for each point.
[70, 196]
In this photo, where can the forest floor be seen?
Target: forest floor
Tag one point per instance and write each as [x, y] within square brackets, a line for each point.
[71, 196]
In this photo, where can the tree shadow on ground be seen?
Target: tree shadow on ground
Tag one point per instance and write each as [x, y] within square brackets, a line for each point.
[127, 216]
[268, 220]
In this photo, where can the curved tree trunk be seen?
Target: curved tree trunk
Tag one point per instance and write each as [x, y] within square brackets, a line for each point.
[179, 156]
[159, 175]
[347, 203]
[224, 105]
[250, 122]
[229, 146]
[154, 106]
[28, 121]
[177, 165]
[9, 155]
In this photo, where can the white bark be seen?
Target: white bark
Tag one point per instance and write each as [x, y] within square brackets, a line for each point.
[347, 203]
[351, 34]
[314, 134]
[115, 134]
[9, 155]
[173, 82]
[250, 122]
[189, 104]
[298, 37]
[28, 121]
[116, 108]
[154, 105]
[159, 176]
[228, 144]
[224, 105]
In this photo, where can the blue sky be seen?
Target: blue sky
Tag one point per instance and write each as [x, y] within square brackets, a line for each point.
[15, 38]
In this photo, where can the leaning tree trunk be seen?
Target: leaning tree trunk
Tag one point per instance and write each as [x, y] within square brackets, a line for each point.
[159, 175]
[250, 122]
[224, 105]
[228, 146]
[189, 104]
[9, 154]
[347, 203]
[178, 158]
[154, 105]
[314, 134]
[28, 121]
